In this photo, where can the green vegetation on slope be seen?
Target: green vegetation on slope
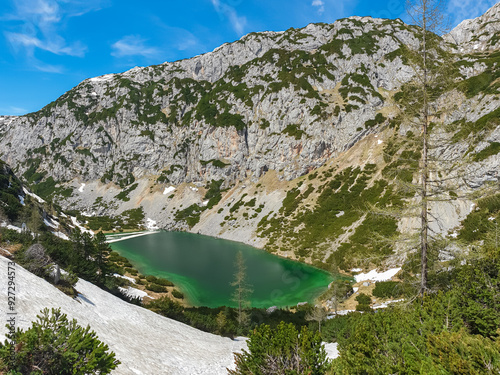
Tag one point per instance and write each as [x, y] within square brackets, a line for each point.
[340, 203]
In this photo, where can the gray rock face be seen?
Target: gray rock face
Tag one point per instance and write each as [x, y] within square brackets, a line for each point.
[286, 102]
[269, 101]
[478, 34]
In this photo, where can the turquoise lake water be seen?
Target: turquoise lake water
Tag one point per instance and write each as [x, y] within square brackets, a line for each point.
[203, 268]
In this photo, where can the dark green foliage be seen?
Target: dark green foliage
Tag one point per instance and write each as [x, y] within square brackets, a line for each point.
[129, 220]
[213, 193]
[264, 124]
[235, 207]
[454, 330]
[191, 214]
[486, 123]
[290, 203]
[151, 278]
[123, 195]
[164, 174]
[492, 149]
[227, 119]
[282, 351]
[177, 294]
[462, 353]
[379, 119]
[205, 318]
[215, 162]
[478, 224]
[487, 81]
[293, 130]
[388, 289]
[55, 345]
[45, 188]
[156, 288]
[364, 302]
[363, 299]
[163, 282]
[10, 190]
[477, 290]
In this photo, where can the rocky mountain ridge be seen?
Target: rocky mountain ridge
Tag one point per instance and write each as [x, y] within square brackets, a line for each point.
[244, 142]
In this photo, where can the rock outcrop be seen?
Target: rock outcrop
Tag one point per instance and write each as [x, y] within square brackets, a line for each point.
[193, 141]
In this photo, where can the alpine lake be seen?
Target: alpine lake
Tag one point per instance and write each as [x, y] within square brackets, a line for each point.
[203, 268]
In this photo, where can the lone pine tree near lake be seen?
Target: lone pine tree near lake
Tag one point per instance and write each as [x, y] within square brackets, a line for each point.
[320, 200]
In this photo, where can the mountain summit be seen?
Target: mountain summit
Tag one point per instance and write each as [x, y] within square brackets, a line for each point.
[235, 141]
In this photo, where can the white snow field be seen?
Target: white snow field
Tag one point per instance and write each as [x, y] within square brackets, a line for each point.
[145, 343]
[373, 275]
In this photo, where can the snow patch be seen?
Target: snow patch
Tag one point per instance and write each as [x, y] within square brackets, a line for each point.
[331, 349]
[140, 338]
[61, 235]
[53, 224]
[151, 224]
[193, 188]
[204, 203]
[104, 78]
[168, 190]
[340, 312]
[386, 304]
[133, 292]
[124, 277]
[82, 229]
[40, 200]
[380, 141]
[373, 275]
[122, 238]
[21, 199]
[80, 189]
[356, 270]
[12, 227]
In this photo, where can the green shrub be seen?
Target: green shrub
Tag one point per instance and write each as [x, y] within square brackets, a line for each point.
[293, 131]
[364, 302]
[131, 271]
[151, 279]
[387, 289]
[492, 149]
[163, 282]
[282, 351]
[55, 345]
[156, 288]
[363, 299]
[177, 294]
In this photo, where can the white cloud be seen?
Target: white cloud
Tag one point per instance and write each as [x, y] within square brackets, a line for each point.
[37, 25]
[320, 5]
[55, 45]
[13, 111]
[237, 22]
[133, 45]
[465, 9]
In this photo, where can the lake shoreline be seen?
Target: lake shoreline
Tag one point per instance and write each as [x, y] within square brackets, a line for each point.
[278, 281]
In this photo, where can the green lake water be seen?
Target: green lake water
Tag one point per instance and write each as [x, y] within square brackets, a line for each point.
[203, 268]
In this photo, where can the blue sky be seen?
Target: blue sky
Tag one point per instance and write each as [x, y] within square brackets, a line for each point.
[49, 46]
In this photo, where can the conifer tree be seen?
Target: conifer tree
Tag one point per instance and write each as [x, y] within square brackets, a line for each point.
[102, 251]
[55, 345]
[423, 177]
[242, 290]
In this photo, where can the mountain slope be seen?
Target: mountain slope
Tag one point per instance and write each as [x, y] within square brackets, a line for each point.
[145, 342]
[249, 142]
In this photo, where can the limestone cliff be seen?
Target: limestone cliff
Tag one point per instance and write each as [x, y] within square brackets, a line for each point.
[242, 142]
